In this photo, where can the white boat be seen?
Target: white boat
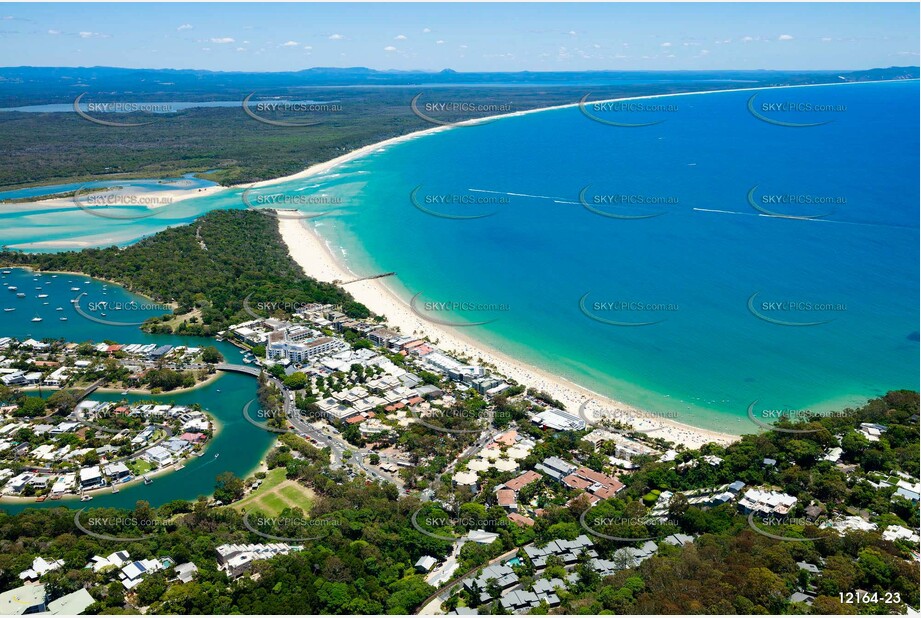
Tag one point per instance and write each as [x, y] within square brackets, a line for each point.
[147, 480]
[124, 392]
[20, 295]
[36, 319]
[42, 295]
[6, 272]
[12, 288]
[86, 498]
[10, 309]
[216, 455]
[74, 289]
[114, 489]
[60, 309]
[63, 318]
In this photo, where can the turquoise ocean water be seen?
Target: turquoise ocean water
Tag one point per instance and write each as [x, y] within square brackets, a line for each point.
[777, 263]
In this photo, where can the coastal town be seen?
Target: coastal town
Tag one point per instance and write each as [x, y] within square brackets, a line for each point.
[571, 309]
[82, 446]
[362, 392]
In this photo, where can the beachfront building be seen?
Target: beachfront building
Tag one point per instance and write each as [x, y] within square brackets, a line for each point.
[303, 351]
[558, 420]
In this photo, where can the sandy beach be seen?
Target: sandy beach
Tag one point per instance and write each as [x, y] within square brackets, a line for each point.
[311, 252]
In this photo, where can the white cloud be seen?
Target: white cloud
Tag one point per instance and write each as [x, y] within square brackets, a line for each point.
[666, 44]
[747, 39]
[184, 27]
[439, 42]
[390, 48]
[400, 37]
[336, 37]
[462, 46]
[222, 40]
[308, 47]
[426, 30]
[92, 35]
[785, 37]
[54, 32]
[290, 44]
[241, 49]
[571, 33]
[596, 45]
[826, 39]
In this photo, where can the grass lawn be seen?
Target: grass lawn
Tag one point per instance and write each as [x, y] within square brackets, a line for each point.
[139, 467]
[276, 494]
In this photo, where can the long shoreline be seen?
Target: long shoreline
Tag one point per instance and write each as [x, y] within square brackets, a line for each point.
[326, 166]
[314, 256]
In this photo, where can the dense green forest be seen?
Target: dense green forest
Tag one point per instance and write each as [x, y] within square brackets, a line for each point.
[211, 265]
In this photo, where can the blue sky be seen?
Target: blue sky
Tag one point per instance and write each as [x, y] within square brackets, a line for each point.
[470, 37]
